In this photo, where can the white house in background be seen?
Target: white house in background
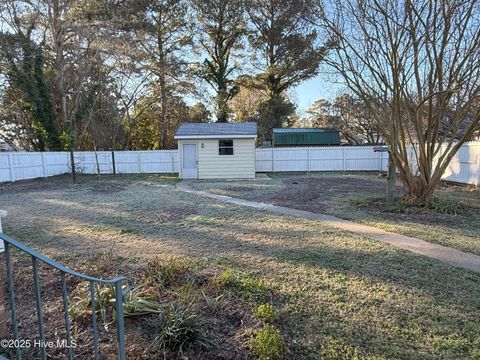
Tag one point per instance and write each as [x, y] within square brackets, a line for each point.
[217, 150]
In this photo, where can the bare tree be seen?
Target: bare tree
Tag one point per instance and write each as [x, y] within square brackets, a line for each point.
[350, 116]
[412, 63]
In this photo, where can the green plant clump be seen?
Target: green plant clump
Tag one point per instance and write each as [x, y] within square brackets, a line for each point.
[451, 207]
[167, 273]
[244, 285]
[135, 303]
[181, 328]
[268, 344]
[362, 202]
[266, 312]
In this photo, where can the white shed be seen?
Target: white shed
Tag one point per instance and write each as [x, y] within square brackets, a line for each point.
[217, 150]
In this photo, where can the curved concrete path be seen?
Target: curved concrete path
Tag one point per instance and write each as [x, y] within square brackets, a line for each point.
[445, 254]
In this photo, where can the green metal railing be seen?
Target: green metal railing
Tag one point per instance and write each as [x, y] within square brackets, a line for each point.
[36, 257]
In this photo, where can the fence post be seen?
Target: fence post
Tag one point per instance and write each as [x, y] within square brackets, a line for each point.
[72, 164]
[344, 159]
[139, 163]
[308, 160]
[43, 165]
[478, 171]
[10, 166]
[3, 284]
[273, 159]
[172, 158]
[113, 163]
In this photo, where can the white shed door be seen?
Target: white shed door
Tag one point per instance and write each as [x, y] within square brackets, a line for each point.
[189, 170]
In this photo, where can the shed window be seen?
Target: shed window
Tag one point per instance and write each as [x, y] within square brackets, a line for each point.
[225, 147]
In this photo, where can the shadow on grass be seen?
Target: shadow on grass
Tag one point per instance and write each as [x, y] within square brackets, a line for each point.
[418, 299]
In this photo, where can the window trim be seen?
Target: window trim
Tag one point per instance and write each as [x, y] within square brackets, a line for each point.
[225, 147]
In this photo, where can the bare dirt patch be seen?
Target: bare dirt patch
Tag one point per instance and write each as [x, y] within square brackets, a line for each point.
[454, 219]
[228, 320]
[313, 193]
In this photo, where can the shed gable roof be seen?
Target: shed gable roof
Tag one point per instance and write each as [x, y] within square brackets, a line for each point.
[216, 130]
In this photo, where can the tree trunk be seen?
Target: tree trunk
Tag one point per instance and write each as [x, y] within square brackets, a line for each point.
[222, 106]
[164, 111]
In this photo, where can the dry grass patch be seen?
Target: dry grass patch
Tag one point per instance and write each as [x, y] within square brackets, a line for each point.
[336, 295]
[451, 218]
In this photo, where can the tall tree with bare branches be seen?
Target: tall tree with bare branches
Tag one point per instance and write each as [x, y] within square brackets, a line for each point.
[416, 65]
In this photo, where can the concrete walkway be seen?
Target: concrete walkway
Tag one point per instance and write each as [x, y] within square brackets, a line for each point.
[445, 254]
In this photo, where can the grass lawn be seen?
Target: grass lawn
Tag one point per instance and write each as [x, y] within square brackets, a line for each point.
[338, 296]
[360, 197]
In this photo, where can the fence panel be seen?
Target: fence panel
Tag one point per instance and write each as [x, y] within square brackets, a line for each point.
[327, 159]
[263, 161]
[86, 162]
[338, 158]
[5, 167]
[127, 162]
[56, 163]
[464, 167]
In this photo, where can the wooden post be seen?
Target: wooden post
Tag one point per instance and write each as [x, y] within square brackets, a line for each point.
[391, 178]
[113, 163]
[3, 285]
[72, 163]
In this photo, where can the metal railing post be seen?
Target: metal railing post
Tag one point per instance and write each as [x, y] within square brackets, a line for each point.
[120, 322]
[3, 284]
[64, 271]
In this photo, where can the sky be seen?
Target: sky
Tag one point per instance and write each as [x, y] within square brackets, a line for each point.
[319, 87]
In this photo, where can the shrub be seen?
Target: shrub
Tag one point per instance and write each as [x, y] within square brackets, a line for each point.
[181, 328]
[435, 204]
[268, 344]
[266, 312]
[244, 285]
[452, 207]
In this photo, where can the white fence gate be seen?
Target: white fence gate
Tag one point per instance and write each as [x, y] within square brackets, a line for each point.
[464, 167]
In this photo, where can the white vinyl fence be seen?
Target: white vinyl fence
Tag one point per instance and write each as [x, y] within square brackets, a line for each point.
[464, 168]
[127, 162]
[465, 165]
[29, 165]
[338, 158]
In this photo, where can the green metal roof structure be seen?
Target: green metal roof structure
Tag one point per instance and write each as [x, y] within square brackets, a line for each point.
[305, 136]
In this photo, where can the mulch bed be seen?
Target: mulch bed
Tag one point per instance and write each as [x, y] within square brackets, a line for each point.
[226, 325]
